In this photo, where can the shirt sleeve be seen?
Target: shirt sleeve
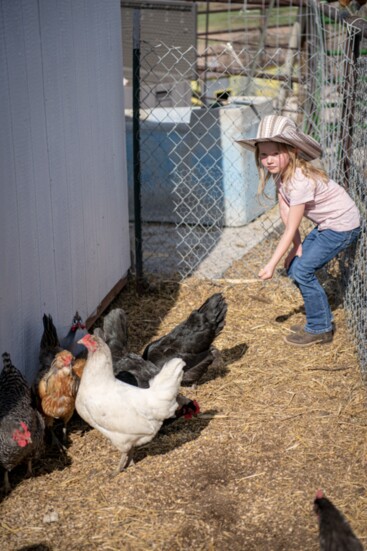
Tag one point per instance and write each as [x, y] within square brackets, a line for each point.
[301, 190]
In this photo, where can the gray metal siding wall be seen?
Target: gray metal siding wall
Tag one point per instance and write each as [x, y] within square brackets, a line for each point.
[64, 240]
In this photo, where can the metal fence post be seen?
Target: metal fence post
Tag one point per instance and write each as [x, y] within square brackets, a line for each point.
[136, 149]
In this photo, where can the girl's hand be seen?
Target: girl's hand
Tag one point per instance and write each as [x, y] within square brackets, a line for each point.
[267, 272]
[295, 251]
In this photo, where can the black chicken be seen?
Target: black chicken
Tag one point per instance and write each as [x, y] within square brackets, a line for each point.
[131, 368]
[49, 345]
[21, 425]
[77, 331]
[115, 333]
[127, 366]
[192, 339]
[334, 530]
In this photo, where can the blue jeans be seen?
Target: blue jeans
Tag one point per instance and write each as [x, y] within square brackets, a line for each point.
[318, 248]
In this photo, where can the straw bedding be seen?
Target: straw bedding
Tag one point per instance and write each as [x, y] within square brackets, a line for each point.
[276, 424]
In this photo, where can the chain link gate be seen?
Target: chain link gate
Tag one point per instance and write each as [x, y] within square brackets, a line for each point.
[200, 211]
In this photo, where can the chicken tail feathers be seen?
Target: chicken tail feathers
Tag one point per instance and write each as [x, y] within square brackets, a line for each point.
[49, 337]
[116, 332]
[194, 374]
[13, 385]
[215, 310]
[170, 374]
[164, 388]
[11, 374]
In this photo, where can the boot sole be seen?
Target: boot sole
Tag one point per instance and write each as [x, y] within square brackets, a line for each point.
[303, 345]
[298, 328]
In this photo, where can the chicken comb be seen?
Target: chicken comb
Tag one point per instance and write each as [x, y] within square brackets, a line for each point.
[319, 494]
[77, 322]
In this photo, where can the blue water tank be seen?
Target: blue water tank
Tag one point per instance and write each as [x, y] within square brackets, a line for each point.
[192, 169]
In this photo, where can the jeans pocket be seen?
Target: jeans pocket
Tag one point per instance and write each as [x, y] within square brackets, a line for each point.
[343, 239]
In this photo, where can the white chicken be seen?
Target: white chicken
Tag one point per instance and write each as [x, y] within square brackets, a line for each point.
[128, 416]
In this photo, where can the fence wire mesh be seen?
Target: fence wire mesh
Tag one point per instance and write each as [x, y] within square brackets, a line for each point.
[354, 264]
[200, 211]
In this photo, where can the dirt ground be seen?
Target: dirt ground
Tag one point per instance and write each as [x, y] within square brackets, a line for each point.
[276, 424]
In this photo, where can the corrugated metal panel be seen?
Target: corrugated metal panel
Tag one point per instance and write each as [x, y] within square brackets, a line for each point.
[170, 22]
[64, 216]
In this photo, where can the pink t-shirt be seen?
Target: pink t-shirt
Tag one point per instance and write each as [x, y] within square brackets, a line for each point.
[327, 205]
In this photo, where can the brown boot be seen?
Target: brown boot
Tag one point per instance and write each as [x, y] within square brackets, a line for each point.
[296, 328]
[300, 328]
[302, 338]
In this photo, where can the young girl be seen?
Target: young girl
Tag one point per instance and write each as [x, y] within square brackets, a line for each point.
[284, 152]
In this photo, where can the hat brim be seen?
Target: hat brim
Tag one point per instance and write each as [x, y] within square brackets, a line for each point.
[309, 152]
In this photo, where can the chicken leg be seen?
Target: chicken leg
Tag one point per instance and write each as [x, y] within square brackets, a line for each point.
[125, 461]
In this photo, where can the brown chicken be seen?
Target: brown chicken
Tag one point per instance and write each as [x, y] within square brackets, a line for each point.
[78, 366]
[57, 390]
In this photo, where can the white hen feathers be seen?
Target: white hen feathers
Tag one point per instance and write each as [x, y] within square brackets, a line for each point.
[128, 416]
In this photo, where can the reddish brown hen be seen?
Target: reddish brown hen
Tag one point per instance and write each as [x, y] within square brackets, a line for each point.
[78, 366]
[57, 390]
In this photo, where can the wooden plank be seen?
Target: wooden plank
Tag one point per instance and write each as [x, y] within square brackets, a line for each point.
[106, 301]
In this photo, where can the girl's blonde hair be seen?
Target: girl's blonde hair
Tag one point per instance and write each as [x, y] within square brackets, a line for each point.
[308, 169]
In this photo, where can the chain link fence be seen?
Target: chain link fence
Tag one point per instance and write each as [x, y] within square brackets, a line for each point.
[200, 212]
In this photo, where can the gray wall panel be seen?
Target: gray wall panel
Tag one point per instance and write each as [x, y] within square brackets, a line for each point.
[63, 209]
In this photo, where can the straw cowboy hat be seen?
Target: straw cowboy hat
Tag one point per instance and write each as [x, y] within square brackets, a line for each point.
[275, 128]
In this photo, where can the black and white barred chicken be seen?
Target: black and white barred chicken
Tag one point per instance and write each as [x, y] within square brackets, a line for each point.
[21, 425]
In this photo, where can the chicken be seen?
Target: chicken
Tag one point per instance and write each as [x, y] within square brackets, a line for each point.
[58, 376]
[127, 366]
[131, 368]
[192, 339]
[115, 332]
[128, 416]
[78, 366]
[21, 425]
[186, 408]
[77, 331]
[334, 531]
[57, 390]
[49, 346]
